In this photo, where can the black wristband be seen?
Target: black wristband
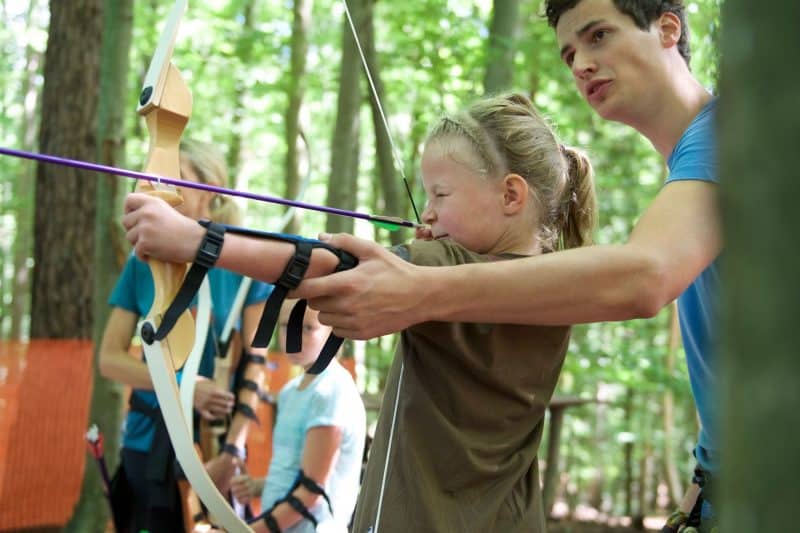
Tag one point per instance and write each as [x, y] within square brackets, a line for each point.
[211, 245]
[253, 358]
[234, 450]
[247, 411]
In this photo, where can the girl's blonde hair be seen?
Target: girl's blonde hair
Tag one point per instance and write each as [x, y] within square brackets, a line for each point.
[209, 165]
[509, 136]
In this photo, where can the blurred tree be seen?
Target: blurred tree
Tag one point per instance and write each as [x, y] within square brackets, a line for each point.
[758, 138]
[63, 277]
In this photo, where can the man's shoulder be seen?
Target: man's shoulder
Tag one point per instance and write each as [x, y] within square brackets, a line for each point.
[695, 154]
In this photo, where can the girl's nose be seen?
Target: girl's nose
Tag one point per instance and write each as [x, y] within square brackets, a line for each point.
[428, 215]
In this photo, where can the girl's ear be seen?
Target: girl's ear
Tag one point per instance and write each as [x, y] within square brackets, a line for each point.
[515, 193]
[669, 29]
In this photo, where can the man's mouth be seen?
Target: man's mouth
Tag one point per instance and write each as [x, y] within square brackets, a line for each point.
[597, 89]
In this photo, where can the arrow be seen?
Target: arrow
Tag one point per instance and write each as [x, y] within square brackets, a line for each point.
[390, 223]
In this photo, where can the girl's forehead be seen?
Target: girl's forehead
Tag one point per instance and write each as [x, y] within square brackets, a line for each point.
[453, 150]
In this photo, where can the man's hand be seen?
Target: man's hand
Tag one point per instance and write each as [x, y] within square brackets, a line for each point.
[211, 401]
[382, 294]
[157, 230]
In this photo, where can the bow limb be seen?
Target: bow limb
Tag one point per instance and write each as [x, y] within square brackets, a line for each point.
[192, 366]
[166, 105]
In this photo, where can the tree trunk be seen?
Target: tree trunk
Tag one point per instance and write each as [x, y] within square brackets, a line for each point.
[674, 483]
[627, 448]
[24, 190]
[551, 473]
[500, 55]
[296, 92]
[92, 512]
[387, 158]
[63, 277]
[342, 185]
[245, 55]
[758, 145]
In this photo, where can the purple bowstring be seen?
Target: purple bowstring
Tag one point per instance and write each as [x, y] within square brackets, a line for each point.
[95, 167]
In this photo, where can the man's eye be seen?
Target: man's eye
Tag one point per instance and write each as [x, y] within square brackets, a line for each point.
[569, 58]
[598, 36]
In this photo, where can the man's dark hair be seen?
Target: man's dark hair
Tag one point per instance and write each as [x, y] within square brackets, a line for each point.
[642, 12]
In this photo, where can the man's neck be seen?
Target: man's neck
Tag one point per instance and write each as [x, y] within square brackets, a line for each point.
[681, 102]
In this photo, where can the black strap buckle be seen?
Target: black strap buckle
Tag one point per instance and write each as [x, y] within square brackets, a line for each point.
[211, 245]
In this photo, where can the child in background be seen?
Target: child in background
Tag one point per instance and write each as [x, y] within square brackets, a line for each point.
[319, 430]
[147, 458]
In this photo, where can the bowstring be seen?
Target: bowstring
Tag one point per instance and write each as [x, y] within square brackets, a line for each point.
[399, 165]
[395, 152]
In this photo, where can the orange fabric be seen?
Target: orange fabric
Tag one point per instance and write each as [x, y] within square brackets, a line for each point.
[349, 363]
[44, 411]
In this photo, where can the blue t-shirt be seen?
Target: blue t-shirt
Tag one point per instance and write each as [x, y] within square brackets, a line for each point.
[332, 399]
[135, 291]
[695, 158]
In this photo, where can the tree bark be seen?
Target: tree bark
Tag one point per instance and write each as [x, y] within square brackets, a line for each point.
[63, 277]
[502, 46]
[91, 513]
[758, 119]
[23, 192]
[674, 483]
[245, 56]
[385, 151]
[295, 94]
[342, 185]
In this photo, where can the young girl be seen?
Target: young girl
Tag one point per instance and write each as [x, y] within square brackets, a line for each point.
[147, 456]
[456, 443]
[320, 430]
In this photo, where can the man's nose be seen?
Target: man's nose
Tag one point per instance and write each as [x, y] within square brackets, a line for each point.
[583, 66]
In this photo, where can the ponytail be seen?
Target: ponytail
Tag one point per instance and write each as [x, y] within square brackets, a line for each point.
[579, 215]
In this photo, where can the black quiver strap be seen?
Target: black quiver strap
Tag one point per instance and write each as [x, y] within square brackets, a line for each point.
[289, 280]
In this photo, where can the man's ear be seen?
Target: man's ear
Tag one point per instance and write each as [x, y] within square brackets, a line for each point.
[669, 29]
[515, 193]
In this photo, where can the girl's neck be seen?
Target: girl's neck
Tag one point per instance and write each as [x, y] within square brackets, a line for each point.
[519, 245]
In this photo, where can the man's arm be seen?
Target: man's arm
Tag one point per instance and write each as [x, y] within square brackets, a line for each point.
[673, 242]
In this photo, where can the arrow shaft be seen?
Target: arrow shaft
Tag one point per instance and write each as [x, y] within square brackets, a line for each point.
[96, 167]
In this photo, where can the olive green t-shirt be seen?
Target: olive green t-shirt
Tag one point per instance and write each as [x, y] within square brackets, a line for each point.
[469, 418]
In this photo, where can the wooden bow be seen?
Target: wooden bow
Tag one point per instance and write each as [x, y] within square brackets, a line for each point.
[166, 104]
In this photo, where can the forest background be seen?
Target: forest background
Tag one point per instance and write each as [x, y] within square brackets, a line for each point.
[278, 86]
